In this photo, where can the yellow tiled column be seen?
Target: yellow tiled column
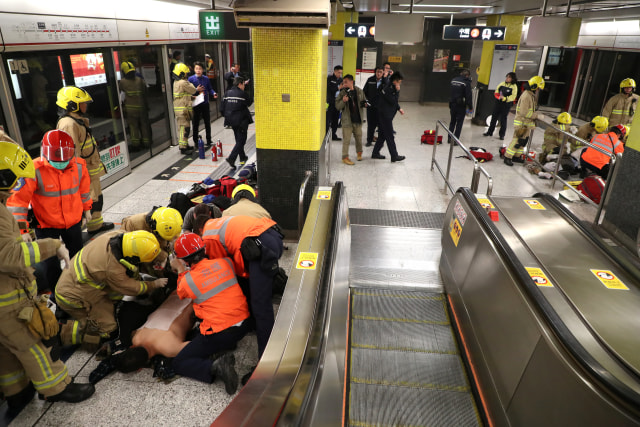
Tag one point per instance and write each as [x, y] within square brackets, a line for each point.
[290, 73]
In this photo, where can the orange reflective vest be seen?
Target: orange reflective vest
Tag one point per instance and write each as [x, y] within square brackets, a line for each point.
[223, 236]
[216, 294]
[58, 197]
[606, 141]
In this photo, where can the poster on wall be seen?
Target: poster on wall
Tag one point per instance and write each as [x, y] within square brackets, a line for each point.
[503, 62]
[440, 60]
[369, 58]
[335, 55]
[115, 158]
[88, 69]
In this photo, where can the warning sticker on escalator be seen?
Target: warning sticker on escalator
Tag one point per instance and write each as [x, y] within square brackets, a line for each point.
[455, 230]
[539, 277]
[460, 213]
[534, 204]
[324, 193]
[307, 261]
[609, 280]
[486, 203]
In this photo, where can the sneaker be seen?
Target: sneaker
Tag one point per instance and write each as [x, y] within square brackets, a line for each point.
[508, 162]
[398, 159]
[359, 156]
[486, 134]
[347, 161]
[242, 162]
[224, 369]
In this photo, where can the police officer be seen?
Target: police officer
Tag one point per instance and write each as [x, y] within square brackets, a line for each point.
[26, 364]
[387, 108]
[371, 89]
[235, 109]
[621, 107]
[73, 103]
[136, 107]
[334, 84]
[459, 101]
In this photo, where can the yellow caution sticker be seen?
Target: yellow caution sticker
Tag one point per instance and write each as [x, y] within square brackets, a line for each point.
[609, 280]
[486, 203]
[455, 230]
[324, 195]
[307, 261]
[534, 204]
[395, 59]
[539, 277]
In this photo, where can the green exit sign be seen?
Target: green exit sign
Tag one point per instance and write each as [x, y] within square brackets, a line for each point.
[215, 25]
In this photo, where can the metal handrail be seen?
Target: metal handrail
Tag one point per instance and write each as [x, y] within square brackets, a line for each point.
[303, 187]
[327, 143]
[477, 168]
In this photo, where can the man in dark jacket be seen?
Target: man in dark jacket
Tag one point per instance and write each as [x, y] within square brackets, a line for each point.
[334, 84]
[460, 101]
[387, 107]
[371, 89]
[235, 109]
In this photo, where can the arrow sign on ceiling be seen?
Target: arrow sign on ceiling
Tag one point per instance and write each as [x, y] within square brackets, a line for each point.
[351, 30]
[499, 33]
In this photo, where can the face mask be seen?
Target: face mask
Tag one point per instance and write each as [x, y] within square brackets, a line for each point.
[59, 165]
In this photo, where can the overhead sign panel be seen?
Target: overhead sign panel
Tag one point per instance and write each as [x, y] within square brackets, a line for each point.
[469, 32]
[216, 25]
[359, 30]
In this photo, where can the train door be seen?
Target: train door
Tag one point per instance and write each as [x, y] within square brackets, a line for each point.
[594, 83]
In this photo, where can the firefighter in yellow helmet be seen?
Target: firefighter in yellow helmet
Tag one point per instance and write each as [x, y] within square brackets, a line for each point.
[621, 107]
[103, 272]
[73, 103]
[245, 203]
[183, 94]
[525, 121]
[26, 364]
[553, 138]
[136, 107]
[588, 130]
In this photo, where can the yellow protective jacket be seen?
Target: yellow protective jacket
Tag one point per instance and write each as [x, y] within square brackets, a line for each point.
[586, 132]
[17, 258]
[136, 94]
[526, 114]
[245, 207]
[182, 92]
[86, 146]
[95, 267]
[508, 91]
[620, 109]
[139, 222]
[553, 138]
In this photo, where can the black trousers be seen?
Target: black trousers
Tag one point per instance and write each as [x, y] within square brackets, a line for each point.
[385, 133]
[201, 111]
[72, 238]
[457, 118]
[500, 112]
[240, 133]
[333, 115]
[372, 122]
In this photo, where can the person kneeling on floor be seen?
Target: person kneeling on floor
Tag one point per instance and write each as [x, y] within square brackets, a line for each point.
[217, 300]
[245, 203]
[594, 161]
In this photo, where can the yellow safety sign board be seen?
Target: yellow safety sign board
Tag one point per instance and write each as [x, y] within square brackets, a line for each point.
[486, 203]
[534, 204]
[395, 59]
[539, 277]
[609, 280]
[455, 230]
[307, 261]
[324, 193]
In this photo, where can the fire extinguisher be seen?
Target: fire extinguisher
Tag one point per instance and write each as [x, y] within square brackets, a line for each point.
[214, 155]
[219, 148]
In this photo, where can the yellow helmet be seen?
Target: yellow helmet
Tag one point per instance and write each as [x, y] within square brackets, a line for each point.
[564, 118]
[600, 124]
[180, 71]
[70, 98]
[627, 130]
[167, 222]
[15, 163]
[536, 82]
[242, 187]
[141, 244]
[627, 83]
[127, 67]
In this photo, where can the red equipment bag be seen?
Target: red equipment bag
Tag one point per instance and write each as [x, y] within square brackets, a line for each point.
[592, 187]
[429, 137]
[481, 154]
[228, 184]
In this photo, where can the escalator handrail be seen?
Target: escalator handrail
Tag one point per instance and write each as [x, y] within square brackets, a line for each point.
[570, 342]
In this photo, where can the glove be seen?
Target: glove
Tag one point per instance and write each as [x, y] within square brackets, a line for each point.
[159, 283]
[86, 218]
[541, 117]
[63, 254]
[573, 129]
[35, 324]
[26, 237]
[49, 322]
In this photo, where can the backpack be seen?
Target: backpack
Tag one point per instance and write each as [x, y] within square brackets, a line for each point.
[180, 202]
[248, 174]
[228, 184]
[429, 137]
[592, 187]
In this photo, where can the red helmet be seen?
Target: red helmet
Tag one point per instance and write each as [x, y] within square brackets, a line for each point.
[58, 146]
[188, 244]
[621, 130]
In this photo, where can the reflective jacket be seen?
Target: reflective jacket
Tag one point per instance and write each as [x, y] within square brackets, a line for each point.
[17, 258]
[508, 91]
[223, 236]
[135, 90]
[86, 146]
[58, 197]
[245, 207]
[526, 114]
[216, 294]
[620, 109]
[182, 104]
[586, 132]
[606, 141]
[553, 138]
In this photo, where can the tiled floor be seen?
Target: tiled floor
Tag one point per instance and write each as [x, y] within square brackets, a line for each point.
[138, 399]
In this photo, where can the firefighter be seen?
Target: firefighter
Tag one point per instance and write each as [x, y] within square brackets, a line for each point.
[59, 196]
[593, 160]
[217, 300]
[245, 203]
[553, 138]
[104, 271]
[621, 107]
[183, 95]
[525, 121]
[73, 103]
[588, 130]
[25, 361]
[136, 107]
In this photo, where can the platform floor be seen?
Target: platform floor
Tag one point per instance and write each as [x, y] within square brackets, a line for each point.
[138, 399]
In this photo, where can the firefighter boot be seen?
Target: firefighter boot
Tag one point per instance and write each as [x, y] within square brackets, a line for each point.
[73, 393]
[223, 368]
